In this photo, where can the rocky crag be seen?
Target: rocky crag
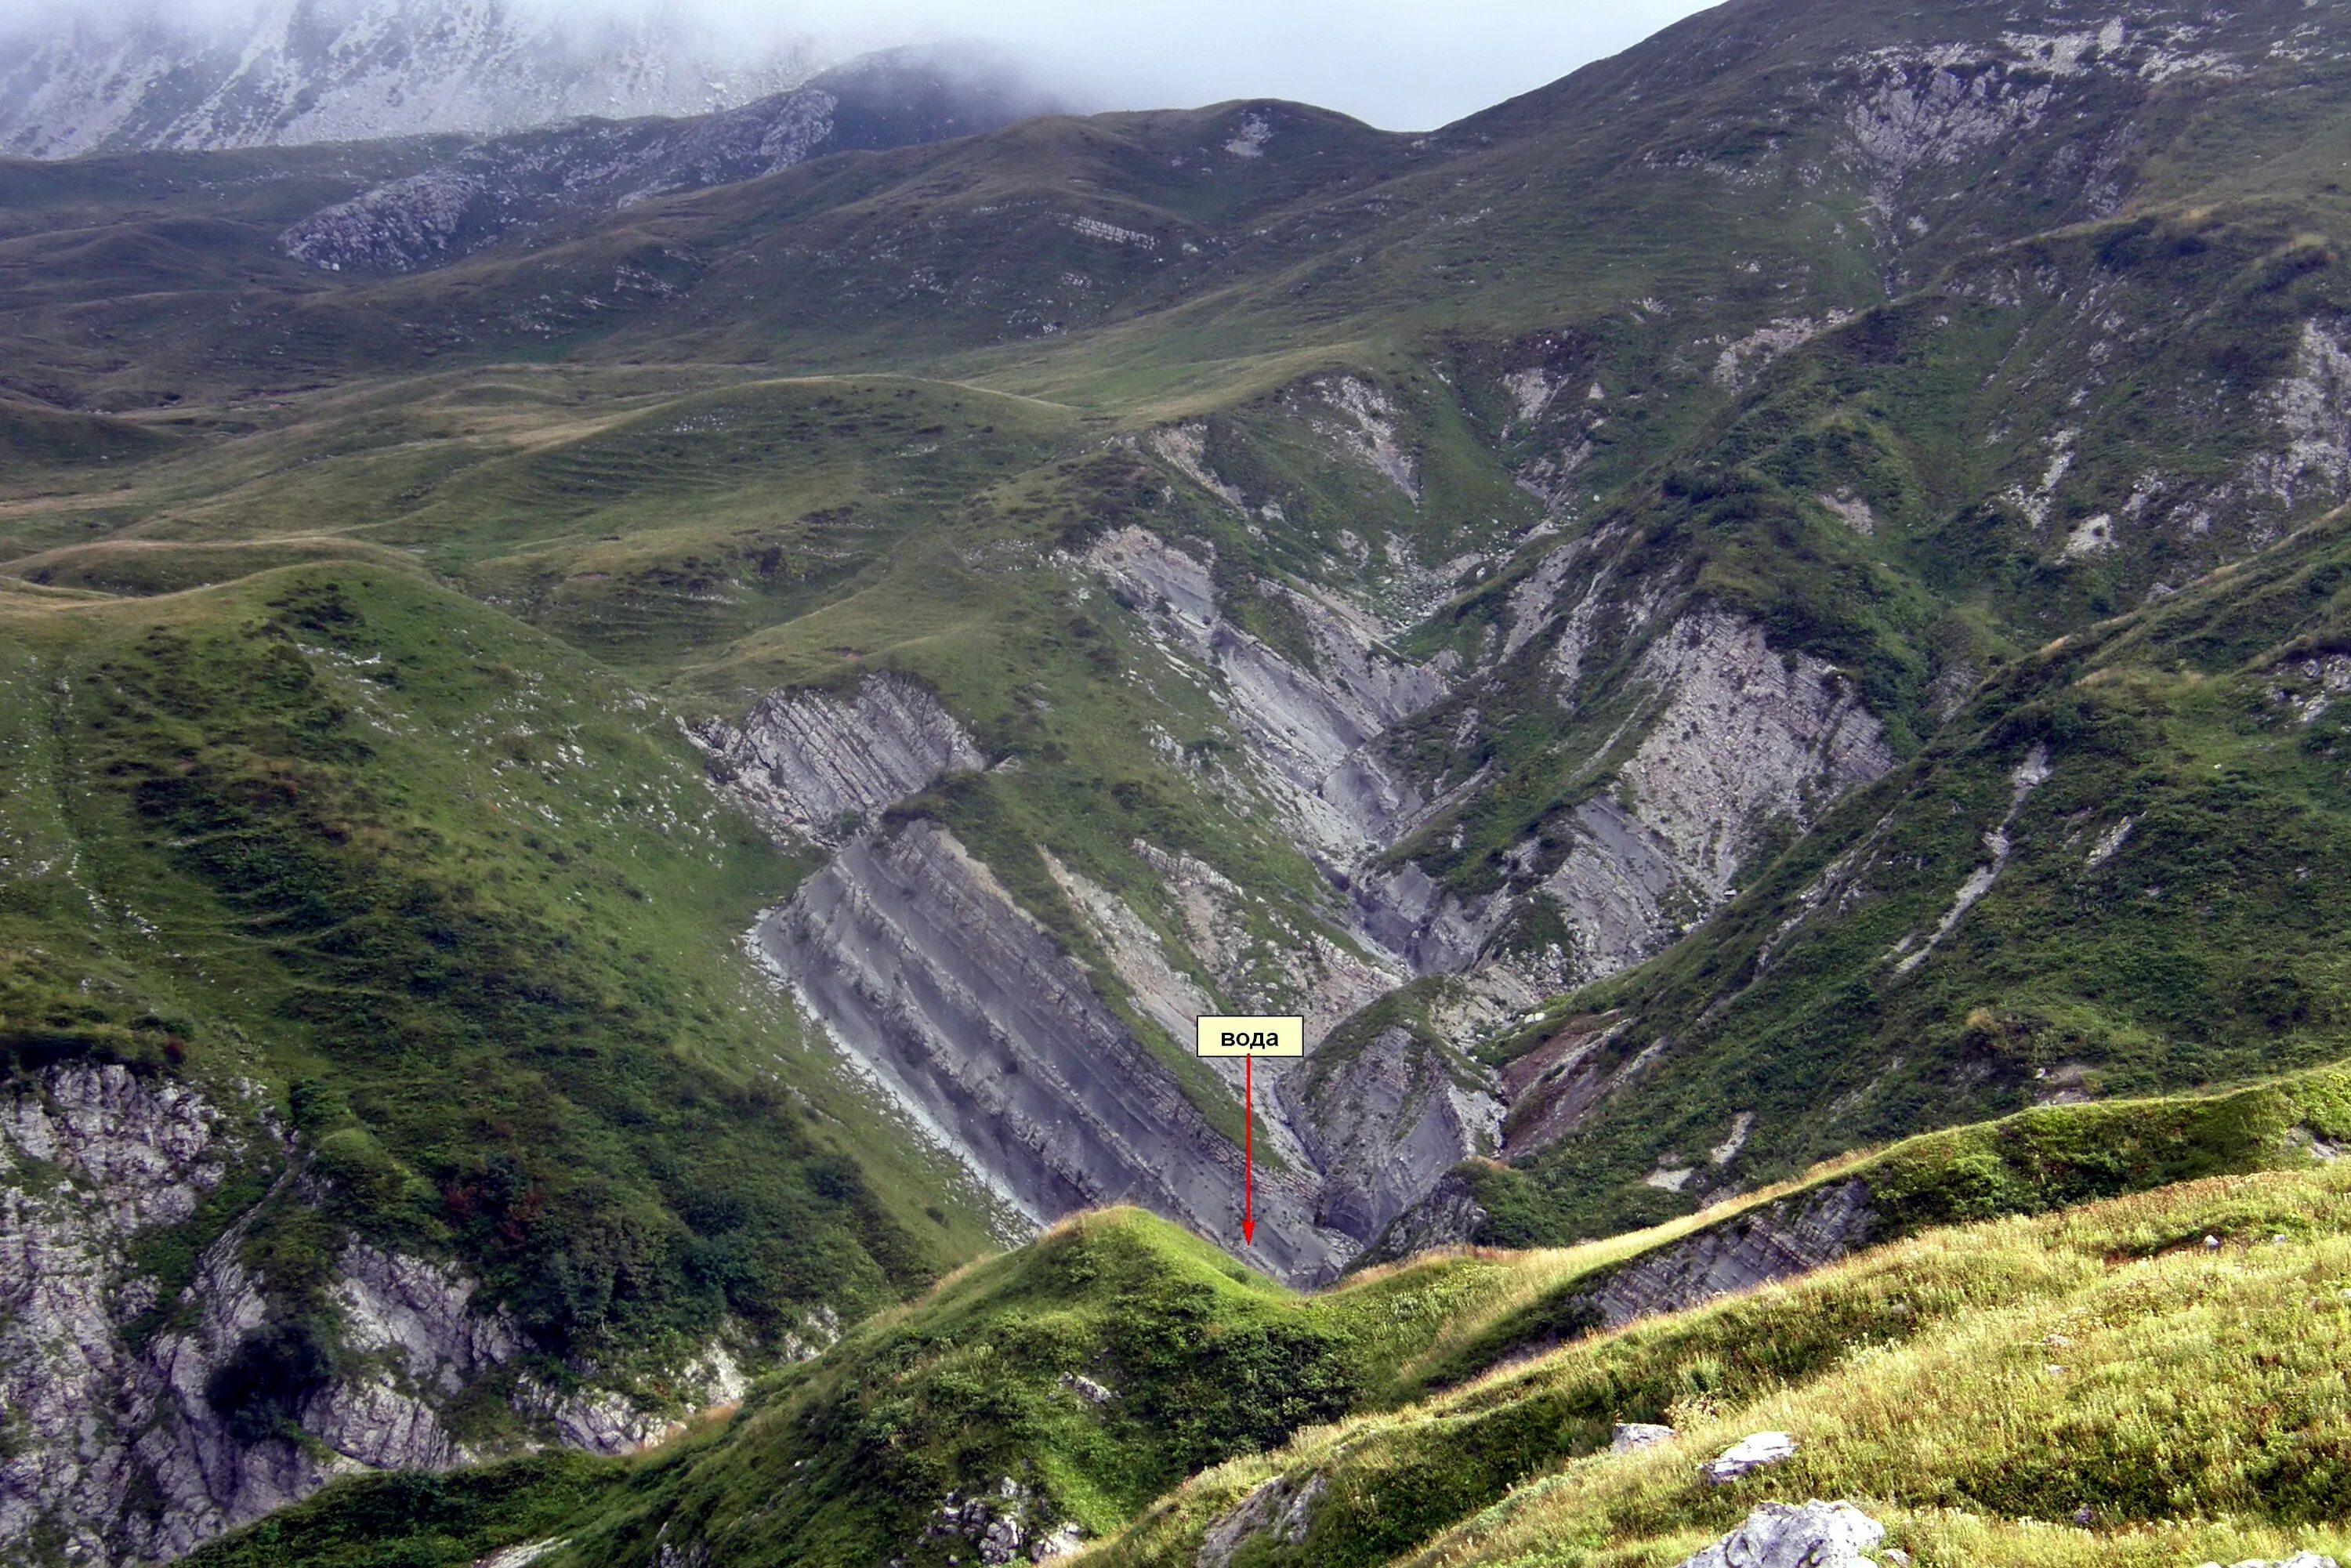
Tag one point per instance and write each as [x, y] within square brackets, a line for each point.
[150, 1405]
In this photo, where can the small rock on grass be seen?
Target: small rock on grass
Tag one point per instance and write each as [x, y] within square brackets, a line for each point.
[1748, 1454]
[1632, 1434]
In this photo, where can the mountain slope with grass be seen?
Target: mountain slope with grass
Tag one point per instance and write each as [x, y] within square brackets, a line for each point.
[1051, 1397]
[608, 794]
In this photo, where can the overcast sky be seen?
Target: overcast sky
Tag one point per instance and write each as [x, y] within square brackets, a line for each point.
[1404, 65]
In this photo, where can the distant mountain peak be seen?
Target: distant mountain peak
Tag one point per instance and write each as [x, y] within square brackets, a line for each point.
[294, 71]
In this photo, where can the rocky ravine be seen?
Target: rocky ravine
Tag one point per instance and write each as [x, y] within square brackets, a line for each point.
[941, 991]
[965, 1011]
[110, 1442]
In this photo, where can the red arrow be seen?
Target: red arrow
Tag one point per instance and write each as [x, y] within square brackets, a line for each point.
[1249, 1159]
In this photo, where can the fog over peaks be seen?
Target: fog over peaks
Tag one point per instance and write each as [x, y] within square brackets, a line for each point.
[1400, 64]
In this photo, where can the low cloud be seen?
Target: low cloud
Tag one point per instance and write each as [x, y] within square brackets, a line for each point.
[1400, 64]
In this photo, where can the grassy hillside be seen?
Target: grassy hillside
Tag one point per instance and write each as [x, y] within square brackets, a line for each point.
[462, 907]
[1098, 1367]
[2103, 1387]
[1989, 365]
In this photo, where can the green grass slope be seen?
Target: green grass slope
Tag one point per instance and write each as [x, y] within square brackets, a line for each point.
[464, 906]
[1097, 1368]
[2103, 1386]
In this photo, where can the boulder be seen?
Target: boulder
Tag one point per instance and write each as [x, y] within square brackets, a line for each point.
[1795, 1535]
[1748, 1454]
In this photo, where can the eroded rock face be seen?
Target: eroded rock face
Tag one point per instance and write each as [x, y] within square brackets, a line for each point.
[1387, 1123]
[1792, 1237]
[1742, 737]
[423, 1315]
[932, 981]
[127, 1154]
[396, 228]
[1311, 728]
[115, 1450]
[816, 766]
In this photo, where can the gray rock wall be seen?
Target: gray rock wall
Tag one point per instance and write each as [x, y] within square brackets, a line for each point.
[928, 976]
[815, 766]
[113, 1447]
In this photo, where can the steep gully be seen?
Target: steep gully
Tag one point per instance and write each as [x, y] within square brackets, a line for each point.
[963, 1012]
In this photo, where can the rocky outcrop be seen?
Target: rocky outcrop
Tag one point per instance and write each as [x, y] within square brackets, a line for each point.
[89, 1159]
[420, 1315]
[815, 767]
[1775, 1241]
[935, 984]
[1631, 1436]
[1449, 1215]
[1270, 965]
[1003, 1526]
[1743, 737]
[1315, 734]
[1280, 1510]
[399, 226]
[114, 1447]
[1368, 434]
[2029, 775]
[543, 180]
[1386, 1123]
[1312, 728]
[1752, 1453]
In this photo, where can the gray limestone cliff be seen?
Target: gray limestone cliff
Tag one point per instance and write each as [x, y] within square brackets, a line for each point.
[815, 767]
[111, 1444]
[933, 981]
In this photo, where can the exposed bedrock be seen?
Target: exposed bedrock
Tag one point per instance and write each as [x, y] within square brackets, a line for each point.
[816, 766]
[1794, 1235]
[1316, 734]
[1741, 737]
[1312, 728]
[929, 977]
[111, 1449]
[1385, 1125]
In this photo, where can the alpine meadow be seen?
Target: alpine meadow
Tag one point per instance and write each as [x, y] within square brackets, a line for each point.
[631, 747]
